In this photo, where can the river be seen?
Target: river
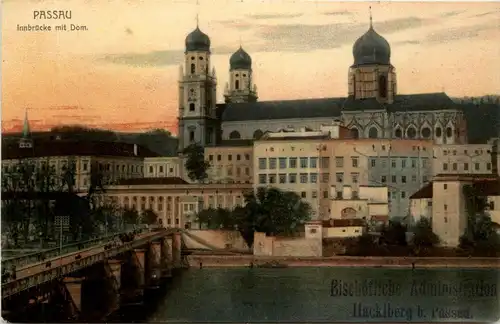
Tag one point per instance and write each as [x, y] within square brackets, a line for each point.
[328, 295]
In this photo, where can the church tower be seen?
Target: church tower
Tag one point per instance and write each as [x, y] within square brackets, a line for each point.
[372, 74]
[26, 141]
[240, 87]
[198, 123]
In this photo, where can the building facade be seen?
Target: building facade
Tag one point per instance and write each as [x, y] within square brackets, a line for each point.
[175, 201]
[230, 163]
[462, 158]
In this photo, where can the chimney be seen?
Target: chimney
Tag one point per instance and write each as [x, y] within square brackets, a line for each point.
[135, 149]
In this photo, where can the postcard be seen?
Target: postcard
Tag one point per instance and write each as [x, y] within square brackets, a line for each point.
[196, 161]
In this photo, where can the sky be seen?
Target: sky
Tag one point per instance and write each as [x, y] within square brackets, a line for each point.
[122, 72]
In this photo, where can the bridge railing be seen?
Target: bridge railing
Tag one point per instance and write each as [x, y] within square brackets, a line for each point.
[18, 285]
[31, 258]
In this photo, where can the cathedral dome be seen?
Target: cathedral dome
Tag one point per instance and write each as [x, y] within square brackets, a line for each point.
[240, 60]
[197, 41]
[371, 48]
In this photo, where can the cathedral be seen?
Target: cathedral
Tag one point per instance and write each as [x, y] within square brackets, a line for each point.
[372, 108]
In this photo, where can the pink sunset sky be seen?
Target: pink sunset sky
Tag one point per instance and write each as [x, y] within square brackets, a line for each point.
[122, 72]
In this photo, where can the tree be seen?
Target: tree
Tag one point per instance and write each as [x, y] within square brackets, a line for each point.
[423, 236]
[480, 235]
[219, 218]
[149, 217]
[273, 211]
[130, 216]
[195, 163]
[394, 234]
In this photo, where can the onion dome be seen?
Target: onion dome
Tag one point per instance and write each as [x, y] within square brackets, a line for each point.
[371, 48]
[197, 41]
[240, 60]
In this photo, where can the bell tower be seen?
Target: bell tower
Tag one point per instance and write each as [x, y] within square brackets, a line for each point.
[198, 123]
[240, 87]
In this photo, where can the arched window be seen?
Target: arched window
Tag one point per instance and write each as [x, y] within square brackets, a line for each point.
[193, 68]
[354, 132]
[234, 135]
[191, 107]
[438, 132]
[382, 86]
[411, 132]
[373, 132]
[426, 132]
[398, 133]
[237, 84]
[191, 136]
[257, 134]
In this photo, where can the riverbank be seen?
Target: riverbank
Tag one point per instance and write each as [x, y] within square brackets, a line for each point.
[228, 261]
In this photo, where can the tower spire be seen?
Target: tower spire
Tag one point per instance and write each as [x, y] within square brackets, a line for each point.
[26, 125]
[371, 18]
[197, 13]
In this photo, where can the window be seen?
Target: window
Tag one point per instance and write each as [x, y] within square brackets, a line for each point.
[445, 166]
[355, 161]
[325, 162]
[325, 177]
[272, 178]
[466, 166]
[272, 163]
[229, 157]
[354, 195]
[339, 162]
[445, 207]
[292, 178]
[303, 178]
[191, 107]
[325, 194]
[85, 167]
[393, 163]
[488, 166]
[445, 186]
[413, 178]
[303, 162]
[247, 157]
[455, 166]
[161, 168]
[247, 171]
[446, 219]
[413, 163]
[403, 163]
[393, 179]
[403, 194]
[262, 163]
[191, 136]
[262, 178]
[383, 179]
[237, 84]
[151, 169]
[424, 162]
[314, 177]
[339, 195]
[382, 86]
[313, 162]
[429, 203]
[476, 166]
[314, 194]
[193, 68]
[373, 163]
[355, 177]
[282, 162]
[210, 157]
[339, 176]
[292, 163]
[403, 179]
[230, 171]
[282, 177]
[303, 194]
[219, 157]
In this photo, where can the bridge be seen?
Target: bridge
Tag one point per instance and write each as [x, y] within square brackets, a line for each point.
[91, 280]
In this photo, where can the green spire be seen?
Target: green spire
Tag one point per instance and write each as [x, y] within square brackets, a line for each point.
[26, 125]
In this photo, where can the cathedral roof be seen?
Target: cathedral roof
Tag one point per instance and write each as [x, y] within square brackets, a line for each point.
[197, 41]
[371, 48]
[332, 107]
[240, 60]
[410, 102]
[287, 109]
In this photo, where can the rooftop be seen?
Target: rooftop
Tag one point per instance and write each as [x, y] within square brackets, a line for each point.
[47, 148]
[151, 181]
[486, 186]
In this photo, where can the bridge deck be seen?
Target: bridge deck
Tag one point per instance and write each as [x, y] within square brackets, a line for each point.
[34, 269]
